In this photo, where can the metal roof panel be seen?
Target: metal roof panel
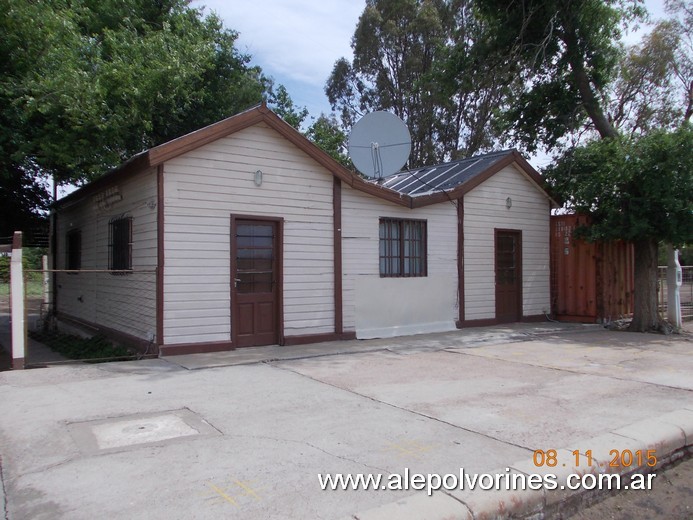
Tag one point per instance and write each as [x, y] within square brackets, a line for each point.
[441, 177]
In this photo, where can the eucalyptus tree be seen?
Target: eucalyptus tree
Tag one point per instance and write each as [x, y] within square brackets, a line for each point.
[654, 85]
[407, 55]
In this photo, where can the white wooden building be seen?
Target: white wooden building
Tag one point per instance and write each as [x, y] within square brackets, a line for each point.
[245, 233]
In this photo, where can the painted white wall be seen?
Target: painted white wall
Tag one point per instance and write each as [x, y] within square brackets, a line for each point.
[202, 188]
[126, 303]
[386, 307]
[485, 210]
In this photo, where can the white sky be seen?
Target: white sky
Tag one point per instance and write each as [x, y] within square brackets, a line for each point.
[298, 41]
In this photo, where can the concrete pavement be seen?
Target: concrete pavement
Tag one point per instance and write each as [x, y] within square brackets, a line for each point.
[245, 434]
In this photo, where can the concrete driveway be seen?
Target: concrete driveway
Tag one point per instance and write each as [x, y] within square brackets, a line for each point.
[245, 434]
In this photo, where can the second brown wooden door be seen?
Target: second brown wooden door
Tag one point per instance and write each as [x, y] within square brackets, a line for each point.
[508, 253]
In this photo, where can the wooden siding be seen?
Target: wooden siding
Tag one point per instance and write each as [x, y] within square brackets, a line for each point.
[403, 305]
[485, 210]
[202, 188]
[127, 302]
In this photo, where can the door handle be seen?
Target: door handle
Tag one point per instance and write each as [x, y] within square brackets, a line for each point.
[235, 281]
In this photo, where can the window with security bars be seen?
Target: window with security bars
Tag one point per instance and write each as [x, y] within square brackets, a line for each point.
[402, 248]
[120, 244]
[73, 250]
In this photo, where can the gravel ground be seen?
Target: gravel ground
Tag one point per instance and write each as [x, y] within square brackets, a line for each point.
[671, 498]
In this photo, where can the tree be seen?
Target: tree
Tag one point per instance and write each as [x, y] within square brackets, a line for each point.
[106, 80]
[325, 133]
[642, 96]
[284, 107]
[634, 189]
[402, 49]
[88, 83]
[566, 53]
[24, 197]
[682, 26]
[654, 86]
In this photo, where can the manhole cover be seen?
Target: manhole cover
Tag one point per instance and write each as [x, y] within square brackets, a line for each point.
[139, 429]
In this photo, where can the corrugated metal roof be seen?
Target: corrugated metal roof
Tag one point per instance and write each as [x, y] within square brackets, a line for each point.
[441, 177]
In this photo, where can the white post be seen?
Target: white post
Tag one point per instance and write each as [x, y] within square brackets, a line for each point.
[46, 280]
[17, 302]
[674, 282]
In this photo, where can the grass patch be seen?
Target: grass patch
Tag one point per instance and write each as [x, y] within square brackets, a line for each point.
[33, 286]
[75, 347]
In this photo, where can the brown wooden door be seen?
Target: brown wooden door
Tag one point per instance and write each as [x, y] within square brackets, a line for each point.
[255, 280]
[508, 276]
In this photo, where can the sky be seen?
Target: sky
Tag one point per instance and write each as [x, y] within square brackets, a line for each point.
[295, 41]
[298, 41]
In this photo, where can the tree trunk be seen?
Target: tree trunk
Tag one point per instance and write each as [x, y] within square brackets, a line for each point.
[689, 104]
[645, 315]
[591, 104]
[590, 101]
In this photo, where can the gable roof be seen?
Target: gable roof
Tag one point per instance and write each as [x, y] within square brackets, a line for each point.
[158, 155]
[454, 179]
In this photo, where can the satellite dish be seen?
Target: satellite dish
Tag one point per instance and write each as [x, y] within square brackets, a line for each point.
[379, 144]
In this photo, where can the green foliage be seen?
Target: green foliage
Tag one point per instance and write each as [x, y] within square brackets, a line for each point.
[88, 83]
[680, 26]
[32, 258]
[23, 199]
[685, 254]
[566, 54]
[5, 270]
[75, 347]
[282, 105]
[643, 96]
[633, 189]
[655, 78]
[403, 52]
[325, 133]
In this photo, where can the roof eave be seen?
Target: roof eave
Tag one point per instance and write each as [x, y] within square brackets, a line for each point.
[325, 160]
[136, 164]
[514, 157]
[534, 175]
[186, 143]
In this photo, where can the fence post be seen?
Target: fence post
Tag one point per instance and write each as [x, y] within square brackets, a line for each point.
[674, 281]
[46, 280]
[17, 303]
